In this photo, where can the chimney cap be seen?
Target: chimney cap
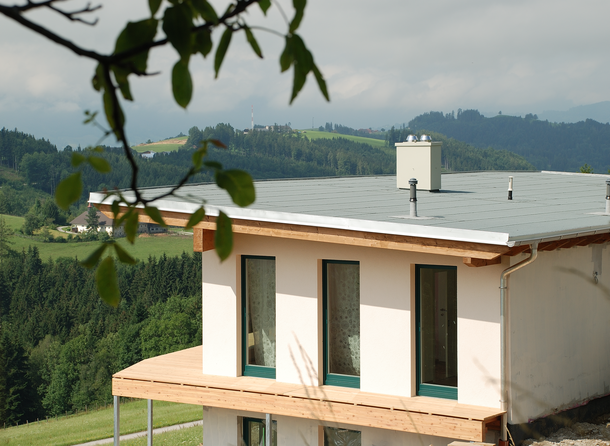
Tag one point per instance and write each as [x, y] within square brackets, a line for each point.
[413, 181]
[411, 138]
[425, 138]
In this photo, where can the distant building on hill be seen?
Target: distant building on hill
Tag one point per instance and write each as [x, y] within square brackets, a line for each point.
[79, 224]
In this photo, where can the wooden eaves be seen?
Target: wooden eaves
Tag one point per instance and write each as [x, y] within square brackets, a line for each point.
[473, 254]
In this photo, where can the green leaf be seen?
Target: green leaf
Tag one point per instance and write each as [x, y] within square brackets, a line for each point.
[123, 255]
[238, 184]
[94, 257]
[112, 111]
[253, 42]
[203, 42]
[182, 84]
[213, 165]
[154, 6]
[303, 63]
[198, 158]
[177, 24]
[154, 213]
[196, 217]
[90, 117]
[287, 56]
[206, 11]
[69, 191]
[107, 283]
[265, 5]
[299, 6]
[321, 82]
[222, 48]
[135, 34]
[77, 159]
[131, 225]
[100, 164]
[223, 236]
[115, 209]
[98, 81]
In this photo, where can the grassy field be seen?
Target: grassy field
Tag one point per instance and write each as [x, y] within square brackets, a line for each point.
[171, 245]
[168, 145]
[99, 424]
[314, 134]
[188, 436]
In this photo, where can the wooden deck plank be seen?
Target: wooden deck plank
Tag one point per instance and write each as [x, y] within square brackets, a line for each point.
[177, 377]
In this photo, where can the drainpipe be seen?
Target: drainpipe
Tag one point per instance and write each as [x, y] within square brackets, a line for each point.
[504, 334]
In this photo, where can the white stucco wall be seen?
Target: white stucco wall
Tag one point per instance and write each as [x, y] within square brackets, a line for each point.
[222, 427]
[386, 319]
[560, 331]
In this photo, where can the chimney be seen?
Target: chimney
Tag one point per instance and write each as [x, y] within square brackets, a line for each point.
[419, 159]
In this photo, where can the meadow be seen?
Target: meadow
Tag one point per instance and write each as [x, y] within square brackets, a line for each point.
[167, 145]
[172, 244]
[99, 424]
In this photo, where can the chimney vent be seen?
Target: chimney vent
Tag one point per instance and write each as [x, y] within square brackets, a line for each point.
[421, 160]
[510, 188]
[411, 138]
[413, 197]
[607, 196]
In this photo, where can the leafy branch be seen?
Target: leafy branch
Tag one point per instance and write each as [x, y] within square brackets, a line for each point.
[188, 26]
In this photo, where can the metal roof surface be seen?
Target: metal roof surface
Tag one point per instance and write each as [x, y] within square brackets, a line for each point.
[469, 207]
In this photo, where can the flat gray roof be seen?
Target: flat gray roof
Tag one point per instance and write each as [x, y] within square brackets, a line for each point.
[470, 206]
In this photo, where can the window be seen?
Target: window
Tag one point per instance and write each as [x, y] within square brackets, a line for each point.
[258, 316]
[436, 330]
[341, 437]
[254, 432]
[341, 307]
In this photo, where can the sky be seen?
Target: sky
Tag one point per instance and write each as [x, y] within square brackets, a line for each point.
[385, 62]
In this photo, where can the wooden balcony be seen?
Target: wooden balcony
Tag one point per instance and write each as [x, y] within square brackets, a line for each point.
[177, 377]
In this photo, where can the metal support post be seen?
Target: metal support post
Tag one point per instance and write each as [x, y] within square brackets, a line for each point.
[117, 429]
[268, 430]
[150, 423]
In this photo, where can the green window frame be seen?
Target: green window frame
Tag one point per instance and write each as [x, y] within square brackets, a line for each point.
[331, 377]
[436, 330]
[267, 325]
[253, 433]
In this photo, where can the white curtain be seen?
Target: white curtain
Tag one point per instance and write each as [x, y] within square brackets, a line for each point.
[260, 298]
[343, 282]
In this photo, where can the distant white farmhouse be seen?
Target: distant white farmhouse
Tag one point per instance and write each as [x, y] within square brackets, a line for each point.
[79, 224]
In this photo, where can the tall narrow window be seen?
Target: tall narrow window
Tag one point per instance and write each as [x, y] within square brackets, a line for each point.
[254, 432]
[258, 316]
[341, 437]
[341, 303]
[436, 310]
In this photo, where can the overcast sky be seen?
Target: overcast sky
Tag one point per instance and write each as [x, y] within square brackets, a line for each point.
[384, 61]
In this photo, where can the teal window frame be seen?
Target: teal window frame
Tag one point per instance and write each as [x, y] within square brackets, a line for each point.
[333, 379]
[246, 430]
[247, 369]
[424, 389]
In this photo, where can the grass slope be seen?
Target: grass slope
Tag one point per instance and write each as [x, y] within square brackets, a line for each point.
[167, 145]
[171, 245]
[314, 134]
[99, 424]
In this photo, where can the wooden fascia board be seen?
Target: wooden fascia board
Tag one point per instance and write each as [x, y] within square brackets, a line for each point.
[310, 408]
[340, 236]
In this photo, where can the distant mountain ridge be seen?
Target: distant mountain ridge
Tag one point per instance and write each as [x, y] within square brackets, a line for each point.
[599, 112]
[547, 145]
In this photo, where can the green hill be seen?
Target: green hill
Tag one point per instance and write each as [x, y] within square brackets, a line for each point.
[546, 145]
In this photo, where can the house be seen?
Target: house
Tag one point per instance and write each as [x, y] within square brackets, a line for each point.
[106, 223]
[389, 313]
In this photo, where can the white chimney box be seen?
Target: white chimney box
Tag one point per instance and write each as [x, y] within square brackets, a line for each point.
[420, 160]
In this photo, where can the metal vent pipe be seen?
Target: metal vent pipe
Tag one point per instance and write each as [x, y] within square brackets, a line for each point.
[607, 196]
[510, 188]
[413, 196]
